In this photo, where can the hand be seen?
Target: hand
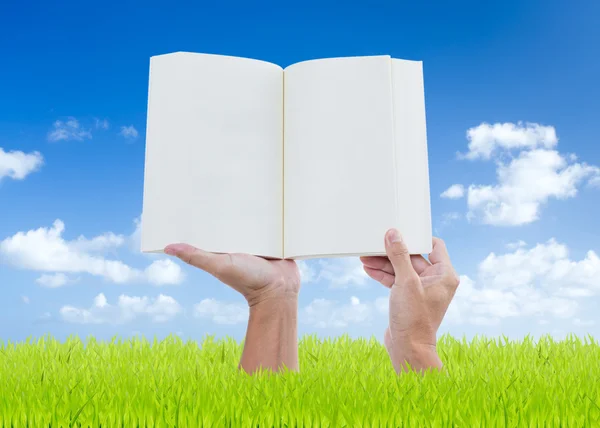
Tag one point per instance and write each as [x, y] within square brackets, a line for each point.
[421, 292]
[257, 279]
[271, 289]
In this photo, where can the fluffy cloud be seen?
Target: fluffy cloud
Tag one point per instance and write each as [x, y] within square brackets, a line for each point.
[98, 244]
[538, 281]
[221, 313]
[525, 181]
[323, 313]
[53, 281]
[102, 124]
[515, 245]
[163, 272]
[307, 271]
[581, 323]
[447, 219]
[45, 249]
[524, 184]
[135, 239]
[129, 132]
[486, 140]
[68, 130]
[128, 308]
[342, 272]
[18, 165]
[547, 264]
[456, 191]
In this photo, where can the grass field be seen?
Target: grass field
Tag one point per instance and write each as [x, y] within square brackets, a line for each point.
[342, 382]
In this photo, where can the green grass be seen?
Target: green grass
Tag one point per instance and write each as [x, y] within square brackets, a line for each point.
[342, 382]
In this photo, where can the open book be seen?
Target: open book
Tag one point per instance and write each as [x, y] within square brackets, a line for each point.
[317, 160]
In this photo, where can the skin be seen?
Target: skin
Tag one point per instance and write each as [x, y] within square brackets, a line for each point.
[420, 294]
[271, 288]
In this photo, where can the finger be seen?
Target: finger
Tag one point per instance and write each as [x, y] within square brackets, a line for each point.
[380, 276]
[398, 254]
[439, 253]
[208, 262]
[378, 262]
[383, 263]
[419, 263]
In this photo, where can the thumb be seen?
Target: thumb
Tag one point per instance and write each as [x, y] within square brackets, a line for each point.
[208, 262]
[398, 254]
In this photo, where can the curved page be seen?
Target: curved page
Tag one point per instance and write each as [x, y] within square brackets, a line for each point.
[340, 181]
[214, 150]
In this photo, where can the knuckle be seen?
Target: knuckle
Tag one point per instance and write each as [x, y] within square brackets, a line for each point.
[454, 281]
[187, 257]
[413, 280]
[408, 281]
[400, 250]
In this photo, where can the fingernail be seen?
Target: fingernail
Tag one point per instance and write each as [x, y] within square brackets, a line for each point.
[394, 236]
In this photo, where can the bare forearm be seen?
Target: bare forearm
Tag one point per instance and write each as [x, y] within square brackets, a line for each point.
[271, 338]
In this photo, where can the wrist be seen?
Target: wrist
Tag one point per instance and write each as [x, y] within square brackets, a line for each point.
[419, 356]
[273, 296]
[272, 305]
[271, 337]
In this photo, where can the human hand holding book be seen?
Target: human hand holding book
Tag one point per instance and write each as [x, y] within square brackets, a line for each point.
[421, 291]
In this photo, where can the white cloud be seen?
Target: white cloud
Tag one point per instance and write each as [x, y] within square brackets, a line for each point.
[382, 305]
[45, 249]
[53, 281]
[539, 281]
[135, 239]
[25, 299]
[68, 130]
[342, 272]
[581, 323]
[547, 264]
[102, 124]
[220, 312]
[524, 184]
[129, 132]
[128, 308]
[164, 272]
[486, 139]
[515, 245]
[101, 243]
[307, 271]
[456, 191]
[323, 313]
[45, 317]
[18, 165]
[448, 218]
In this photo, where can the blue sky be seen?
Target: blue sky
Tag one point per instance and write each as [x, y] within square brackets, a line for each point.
[521, 76]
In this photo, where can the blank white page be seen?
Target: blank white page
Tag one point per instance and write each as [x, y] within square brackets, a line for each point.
[214, 149]
[414, 209]
[339, 163]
